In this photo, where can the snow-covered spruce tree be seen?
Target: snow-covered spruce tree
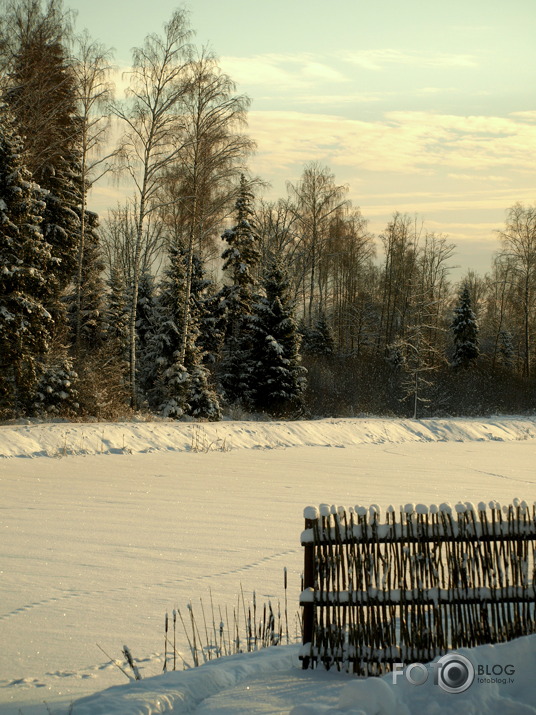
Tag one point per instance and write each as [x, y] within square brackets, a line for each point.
[179, 388]
[96, 314]
[319, 339]
[25, 323]
[147, 316]
[211, 313]
[56, 392]
[86, 303]
[240, 262]
[116, 317]
[41, 91]
[42, 95]
[464, 329]
[506, 349]
[278, 378]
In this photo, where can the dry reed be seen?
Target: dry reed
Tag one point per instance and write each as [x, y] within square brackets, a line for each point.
[217, 632]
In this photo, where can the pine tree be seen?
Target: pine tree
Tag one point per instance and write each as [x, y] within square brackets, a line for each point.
[41, 91]
[56, 393]
[319, 339]
[116, 316]
[179, 388]
[92, 291]
[211, 314]
[42, 94]
[97, 309]
[240, 263]
[506, 349]
[278, 378]
[146, 323]
[464, 329]
[145, 308]
[61, 226]
[25, 323]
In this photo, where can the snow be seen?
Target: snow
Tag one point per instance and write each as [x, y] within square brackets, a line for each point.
[106, 527]
[57, 439]
[270, 681]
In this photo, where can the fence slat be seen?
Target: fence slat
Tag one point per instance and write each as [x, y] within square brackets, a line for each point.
[415, 586]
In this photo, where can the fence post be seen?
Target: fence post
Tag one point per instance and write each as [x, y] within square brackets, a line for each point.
[308, 582]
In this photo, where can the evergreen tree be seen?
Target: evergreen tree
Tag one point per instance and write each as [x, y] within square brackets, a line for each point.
[147, 313]
[146, 308]
[61, 226]
[464, 329]
[240, 263]
[210, 311]
[42, 94]
[278, 379]
[506, 349]
[92, 291]
[57, 392]
[116, 316]
[98, 310]
[179, 388]
[25, 323]
[319, 339]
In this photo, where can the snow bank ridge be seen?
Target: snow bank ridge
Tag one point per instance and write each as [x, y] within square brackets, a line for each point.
[65, 439]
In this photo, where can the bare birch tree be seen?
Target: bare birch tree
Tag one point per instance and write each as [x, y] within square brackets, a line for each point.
[152, 141]
[519, 244]
[119, 239]
[316, 198]
[400, 240]
[92, 67]
[213, 156]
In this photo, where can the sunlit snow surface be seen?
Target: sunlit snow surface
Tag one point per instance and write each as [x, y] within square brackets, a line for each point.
[104, 528]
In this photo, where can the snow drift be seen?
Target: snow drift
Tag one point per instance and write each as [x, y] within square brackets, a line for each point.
[62, 439]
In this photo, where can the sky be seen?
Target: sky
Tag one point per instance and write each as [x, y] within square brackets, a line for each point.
[422, 107]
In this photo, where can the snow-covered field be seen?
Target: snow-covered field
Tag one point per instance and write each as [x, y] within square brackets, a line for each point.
[104, 528]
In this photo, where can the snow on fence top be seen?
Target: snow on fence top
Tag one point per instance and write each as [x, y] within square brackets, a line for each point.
[420, 581]
[418, 522]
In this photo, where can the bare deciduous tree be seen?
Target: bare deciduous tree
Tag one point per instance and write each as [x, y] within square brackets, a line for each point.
[212, 158]
[316, 198]
[153, 138]
[92, 67]
[119, 239]
[399, 279]
[519, 244]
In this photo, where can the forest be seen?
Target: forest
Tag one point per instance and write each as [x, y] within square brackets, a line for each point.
[197, 298]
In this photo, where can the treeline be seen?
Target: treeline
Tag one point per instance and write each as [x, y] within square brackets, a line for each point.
[194, 296]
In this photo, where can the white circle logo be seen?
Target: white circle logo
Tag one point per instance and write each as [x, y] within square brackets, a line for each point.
[454, 673]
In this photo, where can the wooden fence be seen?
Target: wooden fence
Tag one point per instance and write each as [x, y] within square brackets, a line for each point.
[425, 581]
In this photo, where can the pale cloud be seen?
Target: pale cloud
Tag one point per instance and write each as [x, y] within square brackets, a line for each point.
[427, 91]
[284, 71]
[454, 204]
[401, 142]
[291, 71]
[454, 171]
[340, 100]
[529, 116]
[488, 178]
[380, 58]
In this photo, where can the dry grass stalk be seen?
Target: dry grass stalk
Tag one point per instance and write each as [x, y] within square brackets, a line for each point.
[248, 629]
